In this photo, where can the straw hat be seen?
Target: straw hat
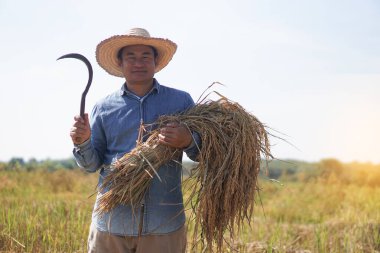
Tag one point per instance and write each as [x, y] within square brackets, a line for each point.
[106, 51]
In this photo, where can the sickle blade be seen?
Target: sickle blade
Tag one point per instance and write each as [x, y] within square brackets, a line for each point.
[90, 74]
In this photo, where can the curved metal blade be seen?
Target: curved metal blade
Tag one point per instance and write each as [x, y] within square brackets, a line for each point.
[90, 74]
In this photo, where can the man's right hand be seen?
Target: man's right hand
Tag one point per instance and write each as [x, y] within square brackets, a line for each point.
[80, 131]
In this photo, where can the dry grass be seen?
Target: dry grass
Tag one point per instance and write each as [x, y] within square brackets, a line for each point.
[224, 183]
[298, 216]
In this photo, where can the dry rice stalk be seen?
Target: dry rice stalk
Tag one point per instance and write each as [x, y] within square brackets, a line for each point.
[131, 174]
[229, 162]
[225, 179]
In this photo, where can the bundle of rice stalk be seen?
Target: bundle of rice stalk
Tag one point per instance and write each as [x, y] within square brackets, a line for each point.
[130, 177]
[225, 178]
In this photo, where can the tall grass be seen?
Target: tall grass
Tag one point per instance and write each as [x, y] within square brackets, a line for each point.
[318, 217]
[45, 211]
[51, 212]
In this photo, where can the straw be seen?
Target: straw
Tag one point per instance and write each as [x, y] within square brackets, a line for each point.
[223, 186]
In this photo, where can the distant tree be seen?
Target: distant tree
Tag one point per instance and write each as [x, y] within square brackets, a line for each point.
[32, 164]
[330, 166]
[68, 164]
[49, 165]
[16, 163]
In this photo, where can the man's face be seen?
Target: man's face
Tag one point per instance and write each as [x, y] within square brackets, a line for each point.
[137, 64]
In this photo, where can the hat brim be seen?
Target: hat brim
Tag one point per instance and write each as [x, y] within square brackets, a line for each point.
[106, 51]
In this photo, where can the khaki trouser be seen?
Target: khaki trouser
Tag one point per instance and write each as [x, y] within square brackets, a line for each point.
[103, 242]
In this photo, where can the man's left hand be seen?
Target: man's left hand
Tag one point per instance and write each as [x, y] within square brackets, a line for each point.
[175, 135]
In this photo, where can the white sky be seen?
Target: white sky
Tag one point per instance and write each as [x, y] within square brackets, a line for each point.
[308, 69]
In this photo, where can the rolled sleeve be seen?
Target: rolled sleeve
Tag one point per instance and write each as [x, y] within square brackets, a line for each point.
[85, 156]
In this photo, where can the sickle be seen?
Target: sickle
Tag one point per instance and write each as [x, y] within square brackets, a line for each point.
[89, 67]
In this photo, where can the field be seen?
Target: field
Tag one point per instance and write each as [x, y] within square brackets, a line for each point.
[338, 211]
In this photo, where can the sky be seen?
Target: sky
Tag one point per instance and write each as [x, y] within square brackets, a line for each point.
[309, 70]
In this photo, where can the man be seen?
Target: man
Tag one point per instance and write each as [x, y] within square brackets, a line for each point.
[158, 224]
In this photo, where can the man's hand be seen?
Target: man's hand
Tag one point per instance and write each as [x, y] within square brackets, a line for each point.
[175, 135]
[80, 131]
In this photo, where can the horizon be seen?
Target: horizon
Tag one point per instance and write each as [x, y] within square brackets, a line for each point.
[187, 160]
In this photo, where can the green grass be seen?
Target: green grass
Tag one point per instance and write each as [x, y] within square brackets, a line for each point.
[51, 212]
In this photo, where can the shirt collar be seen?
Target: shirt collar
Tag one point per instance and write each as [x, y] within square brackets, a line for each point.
[156, 88]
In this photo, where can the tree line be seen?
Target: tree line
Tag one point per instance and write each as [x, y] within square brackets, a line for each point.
[326, 170]
[19, 164]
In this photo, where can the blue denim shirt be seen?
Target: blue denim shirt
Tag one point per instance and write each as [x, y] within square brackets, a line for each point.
[115, 122]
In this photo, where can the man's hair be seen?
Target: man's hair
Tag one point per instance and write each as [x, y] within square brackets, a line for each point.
[119, 53]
